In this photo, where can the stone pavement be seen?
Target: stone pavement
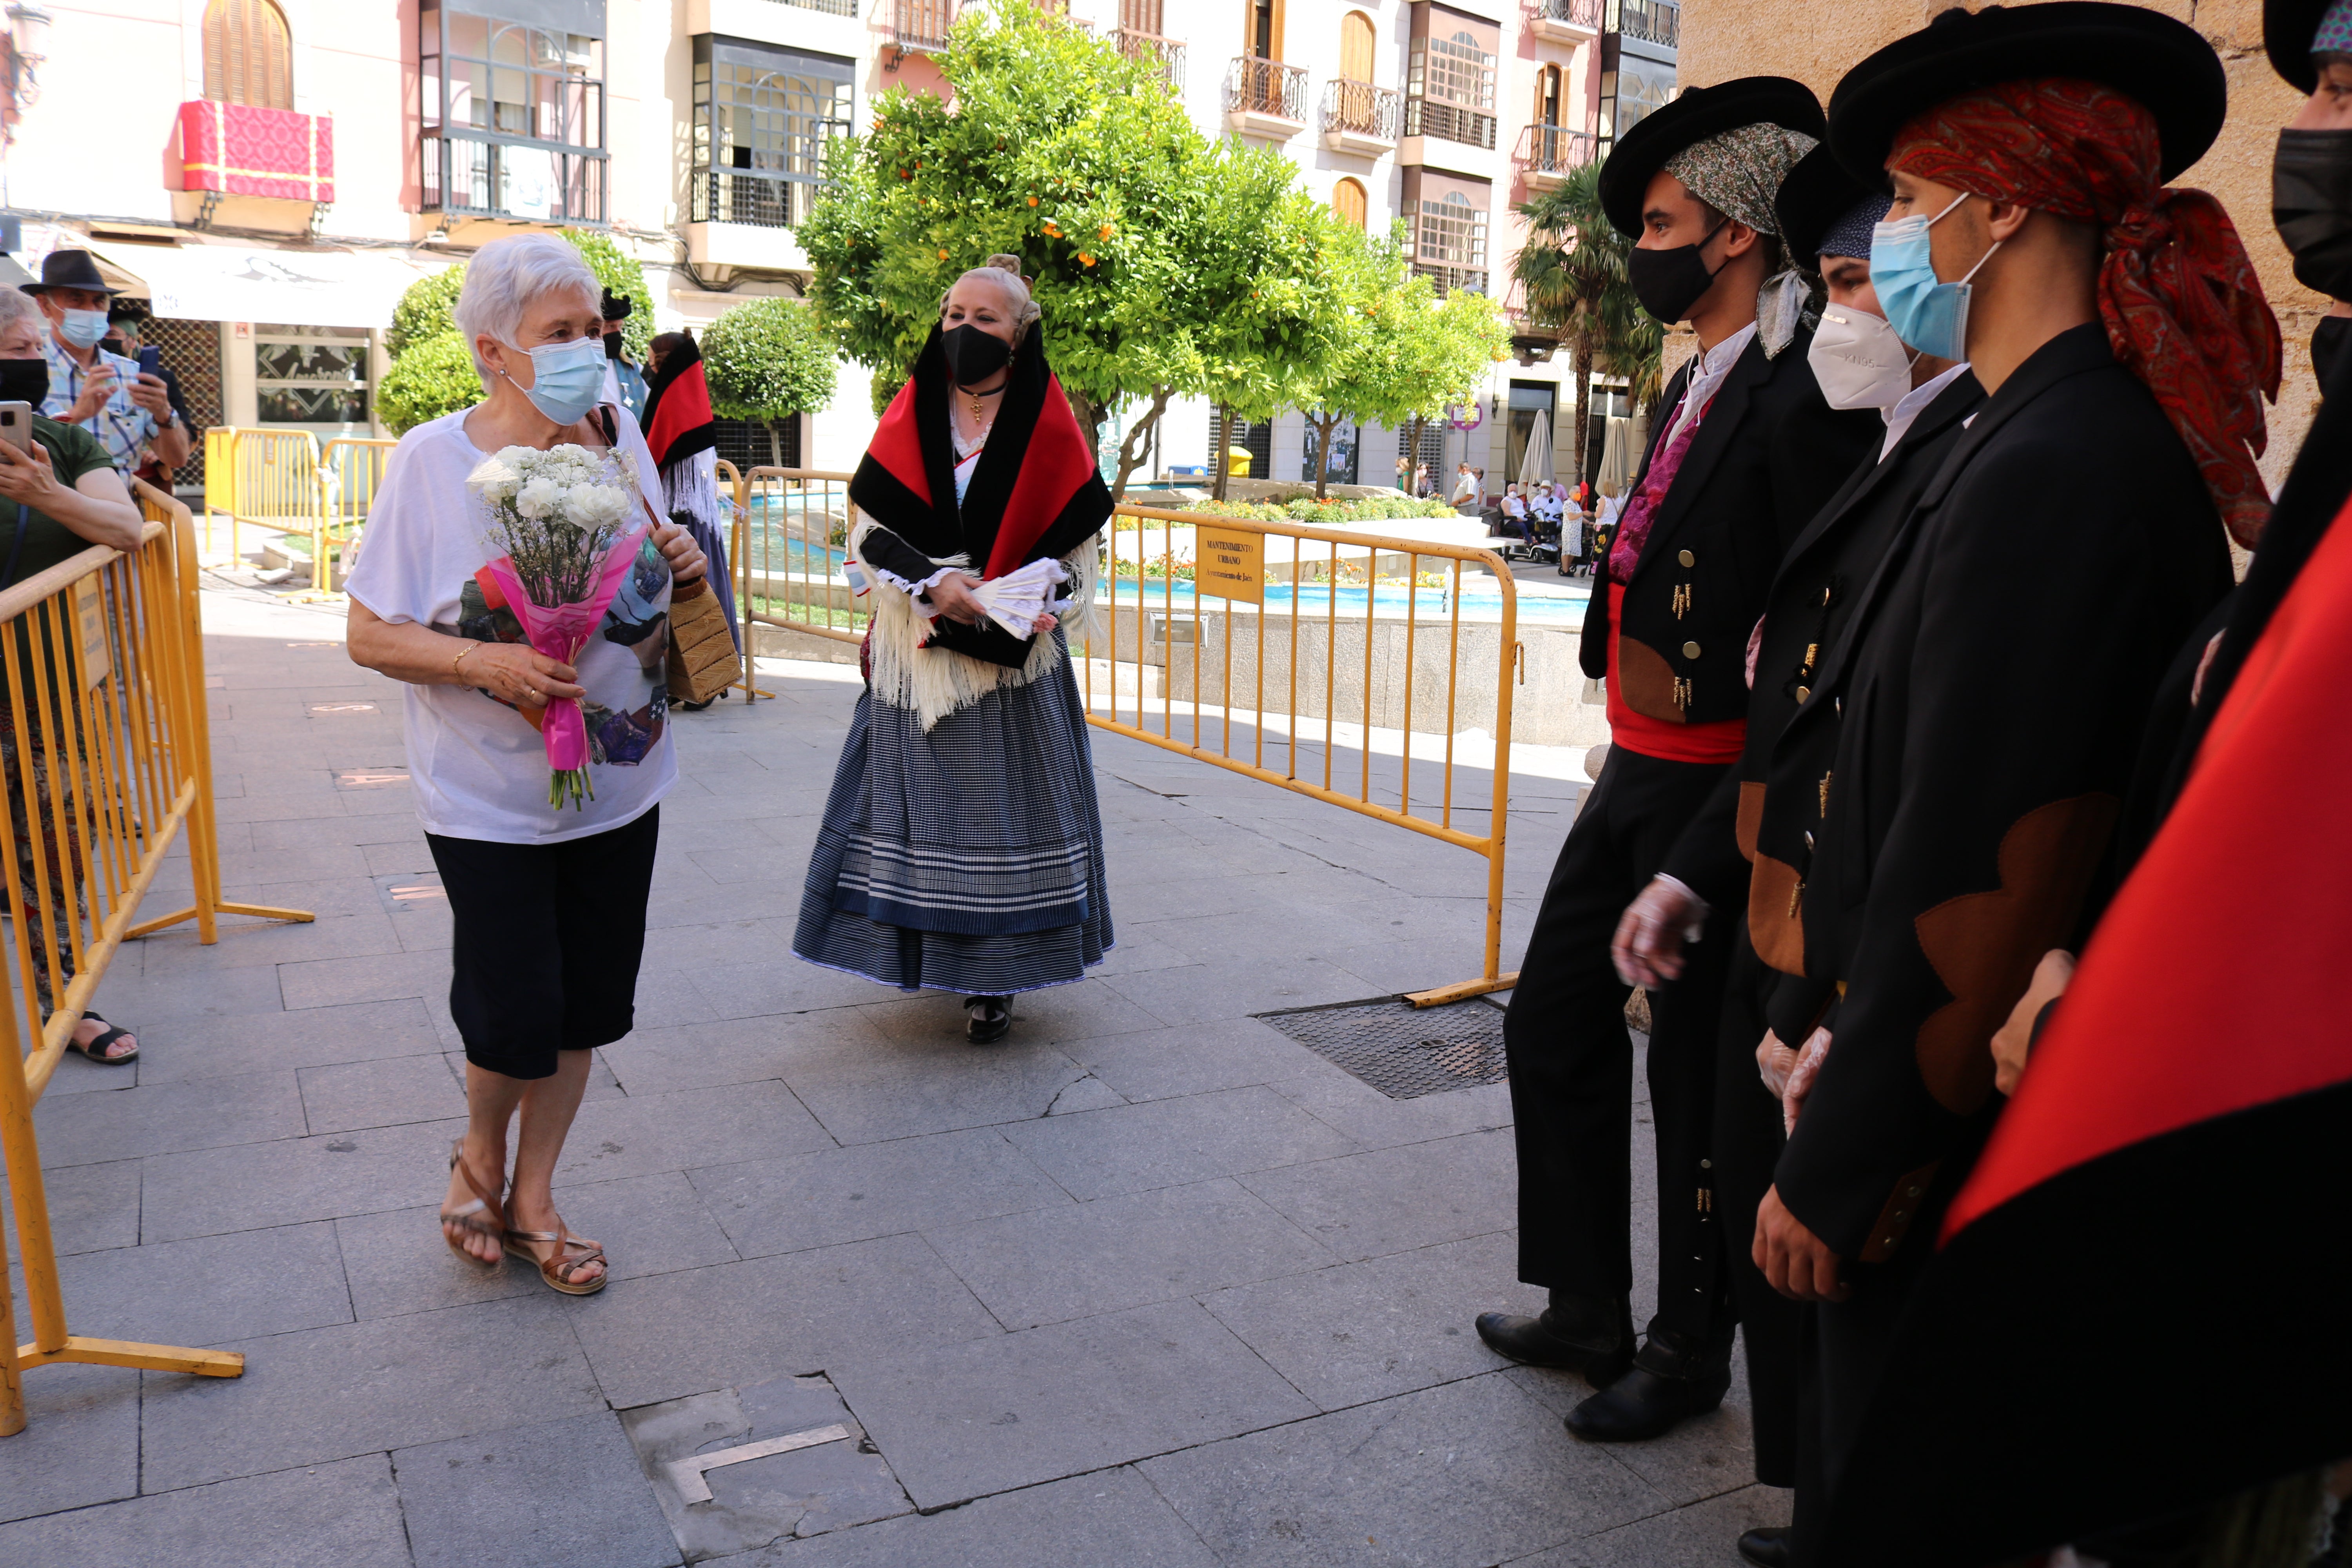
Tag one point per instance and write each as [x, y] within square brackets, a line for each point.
[1152, 1284]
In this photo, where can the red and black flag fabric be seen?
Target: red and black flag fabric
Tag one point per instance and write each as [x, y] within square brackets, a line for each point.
[2144, 1299]
[678, 421]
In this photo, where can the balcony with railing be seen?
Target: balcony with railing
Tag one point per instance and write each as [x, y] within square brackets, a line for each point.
[1650, 21]
[475, 174]
[1446, 277]
[1450, 91]
[1151, 48]
[1546, 152]
[921, 26]
[1265, 98]
[1566, 21]
[1361, 118]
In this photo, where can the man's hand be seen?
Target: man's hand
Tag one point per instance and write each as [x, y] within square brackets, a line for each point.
[2013, 1039]
[1773, 1061]
[148, 392]
[1802, 1074]
[1648, 946]
[1796, 1262]
[97, 388]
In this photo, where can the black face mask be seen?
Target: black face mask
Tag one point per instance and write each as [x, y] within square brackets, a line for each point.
[1669, 282]
[25, 381]
[974, 355]
[2311, 202]
[2331, 347]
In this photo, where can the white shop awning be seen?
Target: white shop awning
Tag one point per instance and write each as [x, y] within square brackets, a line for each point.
[235, 283]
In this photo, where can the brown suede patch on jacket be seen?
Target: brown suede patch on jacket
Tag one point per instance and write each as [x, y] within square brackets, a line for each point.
[1646, 681]
[1775, 914]
[1751, 816]
[1984, 945]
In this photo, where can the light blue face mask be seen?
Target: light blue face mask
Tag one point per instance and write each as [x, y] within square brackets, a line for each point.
[1931, 316]
[566, 379]
[83, 328]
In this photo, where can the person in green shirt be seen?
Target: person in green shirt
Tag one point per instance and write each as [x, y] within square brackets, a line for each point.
[56, 501]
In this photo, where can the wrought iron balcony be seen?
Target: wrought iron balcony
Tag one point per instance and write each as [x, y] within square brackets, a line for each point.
[1151, 46]
[1452, 122]
[921, 26]
[1566, 21]
[1652, 21]
[1265, 98]
[1546, 152]
[746, 196]
[480, 174]
[1446, 279]
[1361, 118]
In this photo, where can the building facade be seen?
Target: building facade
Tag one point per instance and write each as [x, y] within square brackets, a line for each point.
[270, 175]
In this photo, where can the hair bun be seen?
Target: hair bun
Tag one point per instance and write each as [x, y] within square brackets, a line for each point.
[1008, 263]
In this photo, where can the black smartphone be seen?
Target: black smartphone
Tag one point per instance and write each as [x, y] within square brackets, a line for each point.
[151, 358]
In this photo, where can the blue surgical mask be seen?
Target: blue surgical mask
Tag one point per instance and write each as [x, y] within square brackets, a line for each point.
[83, 328]
[1931, 316]
[566, 379]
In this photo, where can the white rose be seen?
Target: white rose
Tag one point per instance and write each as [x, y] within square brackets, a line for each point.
[538, 498]
[595, 506]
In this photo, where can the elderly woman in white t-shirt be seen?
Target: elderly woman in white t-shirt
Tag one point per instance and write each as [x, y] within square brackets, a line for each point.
[549, 902]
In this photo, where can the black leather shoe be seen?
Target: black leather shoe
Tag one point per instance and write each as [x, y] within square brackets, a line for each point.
[1766, 1547]
[1574, 1339]
[1669, 1381]
[988, 1019]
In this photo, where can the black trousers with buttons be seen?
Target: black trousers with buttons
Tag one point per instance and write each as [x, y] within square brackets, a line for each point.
[1572, 1064]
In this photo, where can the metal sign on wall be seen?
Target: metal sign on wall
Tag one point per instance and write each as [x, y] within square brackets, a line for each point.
[90, 627]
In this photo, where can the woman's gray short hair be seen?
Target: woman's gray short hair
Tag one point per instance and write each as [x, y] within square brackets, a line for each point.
[16, 307]
[503, 278]
[1004, 271]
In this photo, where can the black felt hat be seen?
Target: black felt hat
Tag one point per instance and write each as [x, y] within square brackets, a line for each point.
[2161, 64]
[1818, 197]
[1700, 113]
[2288, 27]
[70, 270]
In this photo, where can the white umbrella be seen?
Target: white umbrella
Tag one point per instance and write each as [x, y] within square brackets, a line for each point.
[1535, 469]
[1616, 458]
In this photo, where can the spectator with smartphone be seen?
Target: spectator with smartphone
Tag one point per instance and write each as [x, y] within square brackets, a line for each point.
[106, 394]
[59, 494]
[124, 333]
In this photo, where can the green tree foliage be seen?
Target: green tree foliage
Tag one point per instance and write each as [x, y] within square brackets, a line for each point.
[428, 309]
[620, 272]
[431, 377]
[1165, 264]
[768, 360]
[1573, 273]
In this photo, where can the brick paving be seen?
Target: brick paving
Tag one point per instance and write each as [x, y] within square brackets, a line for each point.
[1152, 1284]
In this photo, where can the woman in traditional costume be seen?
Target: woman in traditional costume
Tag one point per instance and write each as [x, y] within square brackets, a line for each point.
[961, 848]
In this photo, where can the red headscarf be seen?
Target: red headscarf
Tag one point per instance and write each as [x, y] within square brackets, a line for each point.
[2183, 309]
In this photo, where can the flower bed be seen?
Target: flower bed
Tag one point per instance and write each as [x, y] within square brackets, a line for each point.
[1305, 509]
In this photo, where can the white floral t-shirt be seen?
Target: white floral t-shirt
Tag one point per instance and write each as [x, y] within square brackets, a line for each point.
[479, 767]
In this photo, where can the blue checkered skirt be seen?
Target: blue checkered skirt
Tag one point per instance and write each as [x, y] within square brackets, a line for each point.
[966, 860]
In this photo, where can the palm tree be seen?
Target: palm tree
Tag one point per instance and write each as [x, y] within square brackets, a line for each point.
[1572, 274]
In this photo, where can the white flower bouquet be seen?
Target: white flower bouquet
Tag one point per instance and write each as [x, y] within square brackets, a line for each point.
[565, 524]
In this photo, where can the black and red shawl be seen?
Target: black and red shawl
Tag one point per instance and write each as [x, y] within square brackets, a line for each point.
[677, 420]
[2143, 1303]
[1036, 493]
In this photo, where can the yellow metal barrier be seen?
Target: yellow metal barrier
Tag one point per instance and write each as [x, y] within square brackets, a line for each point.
[351, 471]
[103, 660]
[1210, 572]
[730, 483]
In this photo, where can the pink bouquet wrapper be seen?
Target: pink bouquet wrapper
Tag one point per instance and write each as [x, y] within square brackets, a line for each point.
[560, 632]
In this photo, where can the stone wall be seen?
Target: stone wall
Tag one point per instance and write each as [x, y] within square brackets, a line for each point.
[1727, 38]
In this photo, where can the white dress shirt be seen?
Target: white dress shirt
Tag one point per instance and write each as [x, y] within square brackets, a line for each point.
[1899, 417]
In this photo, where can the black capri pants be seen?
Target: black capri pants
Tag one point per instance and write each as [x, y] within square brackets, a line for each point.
[548, 941]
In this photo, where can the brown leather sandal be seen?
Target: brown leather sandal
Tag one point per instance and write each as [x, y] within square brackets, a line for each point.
[572, 1254]
[482, 1217]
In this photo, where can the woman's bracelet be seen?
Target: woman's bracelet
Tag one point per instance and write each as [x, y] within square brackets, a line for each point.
[470, 646]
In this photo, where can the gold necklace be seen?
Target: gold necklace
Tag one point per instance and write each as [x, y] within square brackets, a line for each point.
[978, 400]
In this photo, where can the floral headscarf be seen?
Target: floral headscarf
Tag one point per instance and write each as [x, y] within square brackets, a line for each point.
[1737, 172]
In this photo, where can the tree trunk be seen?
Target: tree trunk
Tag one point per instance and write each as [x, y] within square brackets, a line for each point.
[1091, 416]
[775, 443]
[1323, 428]
[1583, 398]
[1138, 443]
[1217, 457]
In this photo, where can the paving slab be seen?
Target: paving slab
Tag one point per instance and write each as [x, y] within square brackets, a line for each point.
[908, 1087]
[382, 1093]
[671, 1057]
[331, 1394]
[643, 1134]
[167, 1118]
[221, 1047]
[90, 1206]
[1230, 1052]
[79, 1444]
[963, 1421]
[208, 1291]
[1375, 1122]
[1458, 1477]
[1706, 1532]
[1171, 1143]
[1389, 1200]
[866, 1189]
[556, 1492]
[1050, 1265]
[343, 1515]
[214, 1191]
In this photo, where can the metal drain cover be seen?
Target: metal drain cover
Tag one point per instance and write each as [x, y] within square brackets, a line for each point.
[1401, 1050]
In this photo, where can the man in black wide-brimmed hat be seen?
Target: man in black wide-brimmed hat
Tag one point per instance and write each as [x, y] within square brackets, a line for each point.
[106, 394]
[1742, 453]
[1983, 709]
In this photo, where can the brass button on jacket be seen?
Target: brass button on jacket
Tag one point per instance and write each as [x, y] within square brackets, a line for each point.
[1688, 558]
[1690, 650]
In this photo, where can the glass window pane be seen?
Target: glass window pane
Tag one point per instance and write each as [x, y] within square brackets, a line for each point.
[470, 36]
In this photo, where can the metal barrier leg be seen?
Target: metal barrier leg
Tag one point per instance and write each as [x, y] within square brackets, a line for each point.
[11, 1376]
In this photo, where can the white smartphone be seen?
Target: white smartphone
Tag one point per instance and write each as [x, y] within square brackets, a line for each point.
[16, 425]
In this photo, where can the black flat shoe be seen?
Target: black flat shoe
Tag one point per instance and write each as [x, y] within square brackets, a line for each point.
[1572, 1342]
[988, 1019]
[1666, 1385]
[1766, 1547]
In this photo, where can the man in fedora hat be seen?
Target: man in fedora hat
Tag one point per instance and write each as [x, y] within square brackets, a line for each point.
[101, 393]
[1988, 695]
[1743, 453]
